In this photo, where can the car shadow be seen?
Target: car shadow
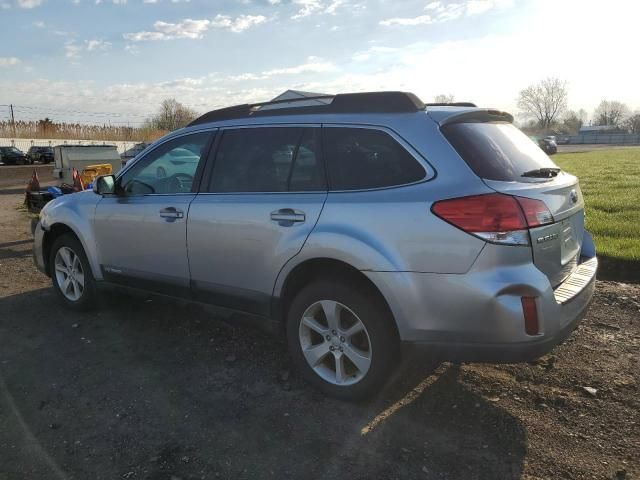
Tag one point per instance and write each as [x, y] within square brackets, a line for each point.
[9, 250]
[11, 191]
[147, 388]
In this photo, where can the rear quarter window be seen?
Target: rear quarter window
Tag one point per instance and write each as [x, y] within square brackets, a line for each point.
[364, 158]
[496, 150]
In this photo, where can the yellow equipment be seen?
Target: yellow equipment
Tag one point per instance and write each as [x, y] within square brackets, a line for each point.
[90, 172]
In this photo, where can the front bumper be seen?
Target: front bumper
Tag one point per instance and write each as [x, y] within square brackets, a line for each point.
[38, 253]
[478, 316]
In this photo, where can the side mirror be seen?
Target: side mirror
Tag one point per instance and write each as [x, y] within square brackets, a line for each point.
[104, 185]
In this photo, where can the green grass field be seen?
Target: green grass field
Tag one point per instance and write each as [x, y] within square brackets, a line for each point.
[610, 182]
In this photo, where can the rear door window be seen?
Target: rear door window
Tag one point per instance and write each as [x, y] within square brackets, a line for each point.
[496, 150]
[268, 159]
[364, 158]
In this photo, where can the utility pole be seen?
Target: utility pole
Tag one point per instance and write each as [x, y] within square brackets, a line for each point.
[13, 121]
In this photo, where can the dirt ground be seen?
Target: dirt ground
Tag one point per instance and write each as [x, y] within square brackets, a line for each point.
[147, 389]
[18, 176]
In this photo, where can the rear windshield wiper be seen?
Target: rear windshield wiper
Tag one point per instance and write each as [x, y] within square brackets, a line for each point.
[546, 172]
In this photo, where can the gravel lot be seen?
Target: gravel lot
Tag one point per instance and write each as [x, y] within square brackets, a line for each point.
[147, 389]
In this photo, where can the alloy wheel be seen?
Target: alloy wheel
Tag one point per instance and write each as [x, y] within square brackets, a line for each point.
[335, 342]
[69, 274]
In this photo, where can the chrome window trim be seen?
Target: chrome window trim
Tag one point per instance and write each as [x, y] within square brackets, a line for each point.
[272, 125]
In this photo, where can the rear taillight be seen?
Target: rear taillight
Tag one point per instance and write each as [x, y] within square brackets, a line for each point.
[494, 217]
[535, 211]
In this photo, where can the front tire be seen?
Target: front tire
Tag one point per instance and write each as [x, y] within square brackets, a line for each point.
[342, 339]
[71, 274]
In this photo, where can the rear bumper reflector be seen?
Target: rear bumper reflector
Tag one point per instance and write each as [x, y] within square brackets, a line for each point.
[530, 312]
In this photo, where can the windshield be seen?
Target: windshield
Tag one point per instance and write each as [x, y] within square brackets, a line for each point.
[9, 149]
[496, 150]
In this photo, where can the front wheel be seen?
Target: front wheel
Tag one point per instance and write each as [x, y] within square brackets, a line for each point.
[71, 274]
[342, 339]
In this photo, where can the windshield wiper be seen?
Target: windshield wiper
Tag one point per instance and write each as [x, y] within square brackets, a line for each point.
[546, 172]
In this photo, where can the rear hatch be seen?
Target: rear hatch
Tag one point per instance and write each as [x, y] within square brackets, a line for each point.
[510, 163]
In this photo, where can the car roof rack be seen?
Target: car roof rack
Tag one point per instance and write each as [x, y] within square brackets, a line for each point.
[451, 104]
[367, 102]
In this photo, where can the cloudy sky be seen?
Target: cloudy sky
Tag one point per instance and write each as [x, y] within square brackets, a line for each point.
[115, 60]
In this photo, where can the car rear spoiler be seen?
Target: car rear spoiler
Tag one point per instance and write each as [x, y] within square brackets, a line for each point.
[479, 115]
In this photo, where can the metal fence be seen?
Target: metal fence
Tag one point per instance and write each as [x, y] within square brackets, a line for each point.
[24, 144]
[605, 138]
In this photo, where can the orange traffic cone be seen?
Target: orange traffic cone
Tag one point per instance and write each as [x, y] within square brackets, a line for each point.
[32, 186]
[78, 186]
[34, 183]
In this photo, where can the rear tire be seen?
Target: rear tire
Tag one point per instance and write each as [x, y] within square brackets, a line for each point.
[71, 274]
[342, 339]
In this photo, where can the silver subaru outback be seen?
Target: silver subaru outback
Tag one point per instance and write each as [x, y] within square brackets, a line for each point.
[354, 227]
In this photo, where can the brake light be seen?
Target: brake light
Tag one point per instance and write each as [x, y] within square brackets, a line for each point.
[494, 217]
[535, 211]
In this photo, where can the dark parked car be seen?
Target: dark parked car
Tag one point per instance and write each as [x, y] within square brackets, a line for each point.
[548, 145]
[13, 156]
[40, 154]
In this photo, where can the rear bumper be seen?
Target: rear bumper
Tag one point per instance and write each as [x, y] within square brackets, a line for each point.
[478, 316]
[508, 352]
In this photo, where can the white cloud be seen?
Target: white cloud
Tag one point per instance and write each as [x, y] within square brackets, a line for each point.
[439, 12]
[311, 7]
[38, 24]
[29, 3]
[8, 61]
[421, 20]
[92, 45]
[239, 24]
[313, 65]
[307, 7]
[72, 50]
[195, 29]
[186, 29]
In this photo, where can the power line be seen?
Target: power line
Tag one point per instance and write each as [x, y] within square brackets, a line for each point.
[79, 112]
[26, 110]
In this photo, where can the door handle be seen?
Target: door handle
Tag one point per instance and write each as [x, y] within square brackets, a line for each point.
[288, 215]
[171, 213]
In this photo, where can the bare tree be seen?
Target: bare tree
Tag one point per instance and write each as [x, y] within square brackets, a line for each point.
[632, 124]
[442, 98]
[544, 101]
[610, 112]
[572, 121]
[172, 115]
